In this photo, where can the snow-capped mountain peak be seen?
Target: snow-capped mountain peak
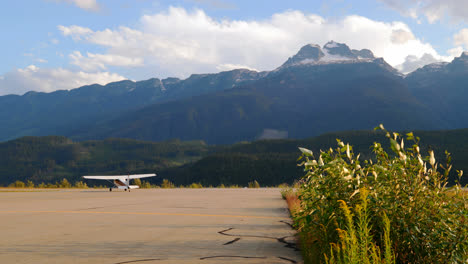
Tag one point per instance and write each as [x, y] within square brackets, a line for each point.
[332, 52]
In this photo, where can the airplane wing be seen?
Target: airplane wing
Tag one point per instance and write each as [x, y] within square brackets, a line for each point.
[138, 176]
[108, 177]
[117, 177]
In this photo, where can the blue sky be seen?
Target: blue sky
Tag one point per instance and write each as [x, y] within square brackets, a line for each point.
[63, 44]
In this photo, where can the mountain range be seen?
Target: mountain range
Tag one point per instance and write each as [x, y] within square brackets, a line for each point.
[318, 90]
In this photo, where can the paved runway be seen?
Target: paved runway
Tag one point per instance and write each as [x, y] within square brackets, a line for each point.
[146, 226]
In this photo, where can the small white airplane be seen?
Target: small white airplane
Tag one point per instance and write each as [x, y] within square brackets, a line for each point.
[121, 181]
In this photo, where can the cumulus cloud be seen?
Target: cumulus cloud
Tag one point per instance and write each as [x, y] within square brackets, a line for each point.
[76, 32]
[89, 5]
[41, 60]
[182, 42]
[433, 10]
[216, 4]
[461, 38]
[413, 62]
[401, 36]
[229, 67]
[33, 78]
[455, 52]
[93, 62]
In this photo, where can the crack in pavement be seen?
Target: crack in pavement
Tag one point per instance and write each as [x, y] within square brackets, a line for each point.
[290, 260]
[246, 257]
[289, 224]
[229, 229]
[108, 206]
[282, 240]
[139, 260]
[232, 241]
[91, 208]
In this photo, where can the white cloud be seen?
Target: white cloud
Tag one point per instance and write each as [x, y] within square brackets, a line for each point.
[433, 10]
[461, 38]
[401, 36]
[33, 78]
[89, 5]
[182, 42]
[412, 62]
[216, 4]
[229, 67]
[93, 62]
[455, 52]
[41, 60]
[76, 32]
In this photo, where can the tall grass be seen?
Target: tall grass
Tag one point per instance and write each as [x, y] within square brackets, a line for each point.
[428, 220]
[356, 244]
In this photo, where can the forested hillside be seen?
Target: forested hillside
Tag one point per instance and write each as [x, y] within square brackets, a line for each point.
[270, 162]
[50, 159]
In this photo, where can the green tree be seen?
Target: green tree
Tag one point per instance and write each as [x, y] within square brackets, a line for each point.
[64, 184]
[254, 184]
[167, 184]
[81, 185]
[18, 184]
[145, 185]
[137, 182]
[30, 184]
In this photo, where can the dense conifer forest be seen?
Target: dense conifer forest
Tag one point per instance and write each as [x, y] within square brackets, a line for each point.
[270, 162]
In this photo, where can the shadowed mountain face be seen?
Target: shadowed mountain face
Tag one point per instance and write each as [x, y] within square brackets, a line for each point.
[302, 100]
[443, 88]
[315, 91]
[61, 112]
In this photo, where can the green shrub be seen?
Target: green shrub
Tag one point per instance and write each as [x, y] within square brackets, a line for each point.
[196, 185]
[81, 185]
[254, 184]
[428, 220]
[17, 184]
[64, 184]
[30, 184]
[50, 185]
[137, 182]
[145, 185]
[167, 184]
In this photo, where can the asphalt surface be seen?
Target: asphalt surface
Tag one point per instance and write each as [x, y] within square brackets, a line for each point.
[146, 226]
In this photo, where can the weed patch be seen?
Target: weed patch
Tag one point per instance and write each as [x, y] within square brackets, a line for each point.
[400, 200]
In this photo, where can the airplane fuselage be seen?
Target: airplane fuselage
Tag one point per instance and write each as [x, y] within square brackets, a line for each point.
[121, 181]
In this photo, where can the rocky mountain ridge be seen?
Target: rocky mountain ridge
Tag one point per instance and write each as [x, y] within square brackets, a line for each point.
[315, 91]
[332, 52]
